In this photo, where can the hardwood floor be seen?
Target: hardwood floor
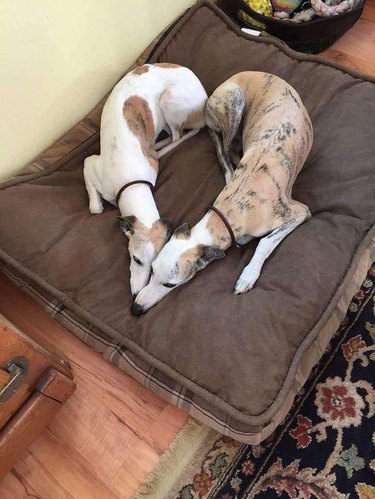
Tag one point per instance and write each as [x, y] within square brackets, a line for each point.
[112, 431]
[108, 435]
[356, 49]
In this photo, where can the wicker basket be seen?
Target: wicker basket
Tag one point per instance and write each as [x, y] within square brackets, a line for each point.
[310, 37]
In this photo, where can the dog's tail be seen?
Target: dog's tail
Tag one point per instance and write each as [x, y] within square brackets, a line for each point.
[177, 142]
[222, 154]
[224, 111]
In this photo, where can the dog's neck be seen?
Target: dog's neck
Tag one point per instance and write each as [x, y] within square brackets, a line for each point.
[211, 231]
[138, 200]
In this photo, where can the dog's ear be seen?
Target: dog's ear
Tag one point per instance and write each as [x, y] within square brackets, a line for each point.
[127, 224]
[182, 232]
[168, 225]
[208, 254]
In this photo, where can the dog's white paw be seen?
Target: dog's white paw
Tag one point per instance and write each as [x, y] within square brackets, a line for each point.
[245, 283]
[95, 209]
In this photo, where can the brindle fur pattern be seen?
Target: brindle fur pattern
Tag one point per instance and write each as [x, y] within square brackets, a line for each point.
[185, 264]
[159, 232]
[277, 137]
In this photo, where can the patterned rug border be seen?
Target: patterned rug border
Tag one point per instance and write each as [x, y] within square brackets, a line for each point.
[162, 478]
[312, 384]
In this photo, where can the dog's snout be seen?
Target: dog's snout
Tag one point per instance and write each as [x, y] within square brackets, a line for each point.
[137, 309]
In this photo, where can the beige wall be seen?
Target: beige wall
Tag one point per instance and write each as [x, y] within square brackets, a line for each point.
[59, 58]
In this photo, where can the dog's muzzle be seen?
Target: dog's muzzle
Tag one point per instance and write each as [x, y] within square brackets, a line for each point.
[137, 309]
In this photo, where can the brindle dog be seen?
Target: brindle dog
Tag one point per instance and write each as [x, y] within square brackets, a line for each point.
[257, 199]
[277, 138]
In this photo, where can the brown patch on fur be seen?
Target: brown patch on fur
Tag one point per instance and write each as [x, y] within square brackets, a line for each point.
[167, 65]
[140, 229]
[138, 116]
[159, 234]
[140, 70]
[188, 259]
[195, 119]
[191, 254]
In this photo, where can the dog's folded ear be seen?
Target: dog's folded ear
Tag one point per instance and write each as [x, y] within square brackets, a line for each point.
[208, 254]
[168, 225]
[182, 232]
[127, 224]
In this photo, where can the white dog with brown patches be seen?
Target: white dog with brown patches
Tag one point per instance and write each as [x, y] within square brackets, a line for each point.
[149, 99]
[256, 201]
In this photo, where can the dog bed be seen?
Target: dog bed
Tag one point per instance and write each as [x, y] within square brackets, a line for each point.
[234, 362]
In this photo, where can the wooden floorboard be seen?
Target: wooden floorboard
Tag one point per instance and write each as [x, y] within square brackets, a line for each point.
[112, 431]
[108, 435]
[356, 49]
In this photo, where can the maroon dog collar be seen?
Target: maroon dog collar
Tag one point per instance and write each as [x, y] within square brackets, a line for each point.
[226, 223]
[132, 183]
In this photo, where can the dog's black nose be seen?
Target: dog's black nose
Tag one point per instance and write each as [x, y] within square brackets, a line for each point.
[137, 309]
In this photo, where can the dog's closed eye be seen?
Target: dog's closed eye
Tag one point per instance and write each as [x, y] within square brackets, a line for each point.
[137, 260]
[169, 285]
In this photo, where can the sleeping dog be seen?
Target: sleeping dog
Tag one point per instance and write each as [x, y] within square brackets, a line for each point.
[149, 99]
[256, 201]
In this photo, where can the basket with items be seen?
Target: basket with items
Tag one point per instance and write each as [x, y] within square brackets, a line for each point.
[308, 26]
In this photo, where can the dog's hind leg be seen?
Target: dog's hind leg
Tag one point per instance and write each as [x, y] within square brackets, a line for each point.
[89, 174]
[162, 143]
[223, 115]
[266, 245]
[179, 116]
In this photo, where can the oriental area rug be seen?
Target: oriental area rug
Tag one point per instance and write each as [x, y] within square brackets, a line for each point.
[324, 449]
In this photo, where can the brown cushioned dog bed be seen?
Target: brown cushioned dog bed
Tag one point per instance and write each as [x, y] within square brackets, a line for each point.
[235, 362]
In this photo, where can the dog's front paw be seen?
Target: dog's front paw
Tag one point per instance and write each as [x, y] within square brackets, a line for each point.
[245, 283]
[96, 209]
